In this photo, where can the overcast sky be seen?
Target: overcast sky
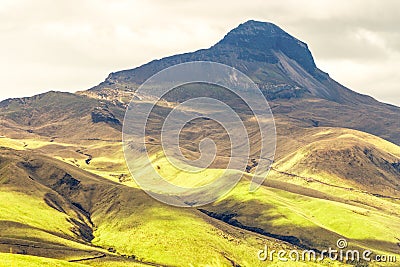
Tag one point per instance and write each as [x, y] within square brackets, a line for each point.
[73, 45]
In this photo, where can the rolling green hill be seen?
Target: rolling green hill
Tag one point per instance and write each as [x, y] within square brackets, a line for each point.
[53, 209]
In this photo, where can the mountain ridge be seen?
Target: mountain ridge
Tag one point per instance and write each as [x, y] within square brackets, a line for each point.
[261, 50]
[285, 81]
[310, 100]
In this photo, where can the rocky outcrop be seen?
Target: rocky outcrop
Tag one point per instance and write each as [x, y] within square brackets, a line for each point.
[100, 114]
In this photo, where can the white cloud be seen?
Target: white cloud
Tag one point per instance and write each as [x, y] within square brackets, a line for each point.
[73, 45]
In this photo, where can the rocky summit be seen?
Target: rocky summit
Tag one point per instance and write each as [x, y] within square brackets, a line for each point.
[281, 65]
[259, 41]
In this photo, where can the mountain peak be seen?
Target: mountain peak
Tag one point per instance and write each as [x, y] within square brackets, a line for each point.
[253, 27]
[280, 64]
[253, 31]
[266, 38]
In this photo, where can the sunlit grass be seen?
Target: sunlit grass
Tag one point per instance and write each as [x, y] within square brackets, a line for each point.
[23, 144]
[31, 210]
[167, 235]
[175, 237]
[14, 260]
[314, 219]
[11, 143]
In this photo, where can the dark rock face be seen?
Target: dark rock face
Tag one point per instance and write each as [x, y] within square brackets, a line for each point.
[68, 182]
[229, 218]
[104, 115]
[396, 166]
[260, 39]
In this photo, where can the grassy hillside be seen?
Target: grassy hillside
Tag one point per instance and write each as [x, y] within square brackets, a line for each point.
[56, 115]
[133, 224]
[343, 157]
[32, 261]
[65, 213]
[67, 194]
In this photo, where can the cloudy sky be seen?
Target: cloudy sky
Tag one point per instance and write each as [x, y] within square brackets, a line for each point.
[73, 45]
